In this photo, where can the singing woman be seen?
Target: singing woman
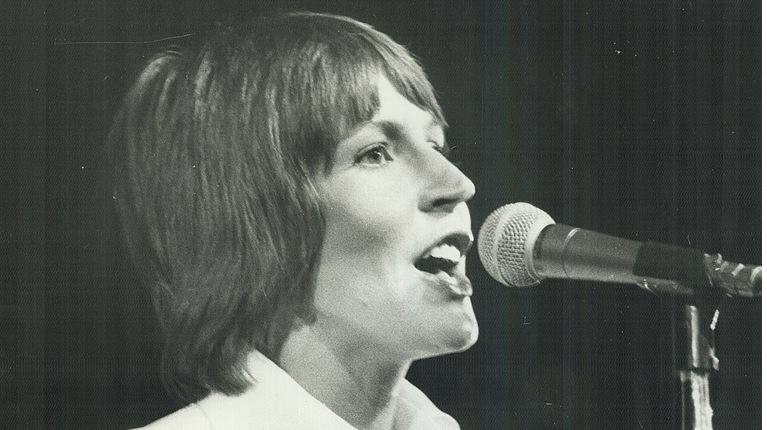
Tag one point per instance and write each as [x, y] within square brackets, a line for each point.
[284, 191]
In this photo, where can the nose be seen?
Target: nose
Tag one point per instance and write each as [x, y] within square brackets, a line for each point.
[446, 188]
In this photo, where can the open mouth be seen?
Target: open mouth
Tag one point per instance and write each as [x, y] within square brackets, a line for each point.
[441, 261]
[443, 258]
[445, 255]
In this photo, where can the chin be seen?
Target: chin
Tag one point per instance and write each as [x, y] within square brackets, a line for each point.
[466, 338]
[460, 337]
[468, 330]
[454, 344]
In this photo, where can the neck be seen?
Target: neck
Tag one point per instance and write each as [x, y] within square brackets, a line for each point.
[358, 383]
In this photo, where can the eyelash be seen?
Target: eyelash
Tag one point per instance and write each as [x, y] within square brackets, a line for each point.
[378, 148]
[382, 148]
[447, 152]
[443, 149]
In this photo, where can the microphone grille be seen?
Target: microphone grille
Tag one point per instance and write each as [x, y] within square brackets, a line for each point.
[506, 241]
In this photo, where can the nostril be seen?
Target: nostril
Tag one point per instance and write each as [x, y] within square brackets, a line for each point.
[444, 202]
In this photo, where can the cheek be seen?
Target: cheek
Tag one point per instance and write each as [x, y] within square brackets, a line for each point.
[358, 292]
[364, 257]
[361, 261]
[364, 218]
[366, 283]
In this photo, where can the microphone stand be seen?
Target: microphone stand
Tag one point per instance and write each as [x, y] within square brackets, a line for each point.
[694, 361]
[693, 333]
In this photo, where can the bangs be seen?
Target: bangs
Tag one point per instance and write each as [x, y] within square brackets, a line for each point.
[333, 82]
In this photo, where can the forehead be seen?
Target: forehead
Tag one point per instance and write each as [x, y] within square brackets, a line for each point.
[394, 109]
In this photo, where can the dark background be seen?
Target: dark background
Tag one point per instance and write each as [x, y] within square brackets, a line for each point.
[637, 119]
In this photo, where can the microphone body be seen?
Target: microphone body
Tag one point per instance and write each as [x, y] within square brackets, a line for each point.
[564, 252]
[520, 245]
[561, 251]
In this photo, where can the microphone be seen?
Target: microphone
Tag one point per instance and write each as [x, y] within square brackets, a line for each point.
[520, 245]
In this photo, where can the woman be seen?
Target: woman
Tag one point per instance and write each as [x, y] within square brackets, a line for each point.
[285, 192]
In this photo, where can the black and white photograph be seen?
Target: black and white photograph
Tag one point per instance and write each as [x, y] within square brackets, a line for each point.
[381, 215]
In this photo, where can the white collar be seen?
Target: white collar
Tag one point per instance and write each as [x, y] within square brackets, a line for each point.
[276, 402]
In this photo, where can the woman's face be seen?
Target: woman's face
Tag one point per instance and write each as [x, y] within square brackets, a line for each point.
[392, 266]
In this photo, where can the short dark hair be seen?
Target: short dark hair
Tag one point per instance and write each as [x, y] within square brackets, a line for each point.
[214, 150]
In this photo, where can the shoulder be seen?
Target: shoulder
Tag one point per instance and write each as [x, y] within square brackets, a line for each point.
[190, 417]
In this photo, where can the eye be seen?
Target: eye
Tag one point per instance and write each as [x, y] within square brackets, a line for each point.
[447, 152]
[377, 155]
[442, 148]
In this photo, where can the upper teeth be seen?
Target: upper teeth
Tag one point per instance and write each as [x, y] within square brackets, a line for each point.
[446, 252]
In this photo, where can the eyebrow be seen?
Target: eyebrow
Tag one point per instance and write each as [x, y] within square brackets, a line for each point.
[394, 130]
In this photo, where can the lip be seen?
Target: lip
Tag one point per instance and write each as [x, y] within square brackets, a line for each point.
[454, 281]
